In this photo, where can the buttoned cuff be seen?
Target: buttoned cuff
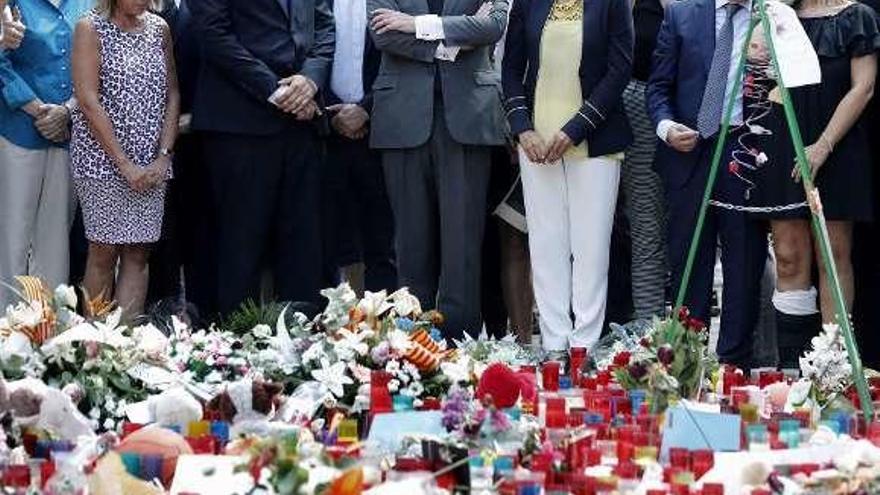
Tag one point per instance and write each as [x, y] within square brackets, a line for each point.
[429, 28]
[446, 53]
[663, 129]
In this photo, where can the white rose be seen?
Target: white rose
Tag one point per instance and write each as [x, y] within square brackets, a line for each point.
[65, 296]
[25, 315]
[262, 331]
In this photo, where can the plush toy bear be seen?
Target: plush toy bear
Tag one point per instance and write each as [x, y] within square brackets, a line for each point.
[245, 400]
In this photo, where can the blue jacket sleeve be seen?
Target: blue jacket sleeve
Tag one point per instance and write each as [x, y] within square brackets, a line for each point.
[221, 47]
[513, 71]
[606, 94]
[661, 83]
[16, 92]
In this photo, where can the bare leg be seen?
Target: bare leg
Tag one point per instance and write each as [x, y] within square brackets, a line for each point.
[792, 245]
[840, 234]
[134, 274]
[516, 281]
[101, 270]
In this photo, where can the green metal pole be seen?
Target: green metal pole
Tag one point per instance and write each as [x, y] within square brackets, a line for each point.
[820, 228]
[713, 174]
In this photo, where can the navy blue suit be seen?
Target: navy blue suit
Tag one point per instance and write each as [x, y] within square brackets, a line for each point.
[264, 166]
[682, 60]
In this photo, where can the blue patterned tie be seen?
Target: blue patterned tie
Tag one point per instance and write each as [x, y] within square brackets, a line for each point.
[709, 118]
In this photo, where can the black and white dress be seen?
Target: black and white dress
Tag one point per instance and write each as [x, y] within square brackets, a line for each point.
[844, 180]
[133, 92]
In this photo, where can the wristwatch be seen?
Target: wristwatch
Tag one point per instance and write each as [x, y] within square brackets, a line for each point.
[166, 152]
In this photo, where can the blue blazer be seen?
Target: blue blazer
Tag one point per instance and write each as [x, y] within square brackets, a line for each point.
[247, 46]
[680, 68]
[605, 70]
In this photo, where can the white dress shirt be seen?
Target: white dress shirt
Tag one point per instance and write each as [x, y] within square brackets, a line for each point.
[347, 78]
[740, 31]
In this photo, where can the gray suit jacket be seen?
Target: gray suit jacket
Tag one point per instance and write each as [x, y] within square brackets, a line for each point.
[403, 93]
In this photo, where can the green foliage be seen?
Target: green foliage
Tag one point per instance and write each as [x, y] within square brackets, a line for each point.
[251, 314]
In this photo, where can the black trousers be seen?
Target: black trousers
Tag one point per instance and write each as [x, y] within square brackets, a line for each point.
[438, 195]
[266, 193]
[358, 223]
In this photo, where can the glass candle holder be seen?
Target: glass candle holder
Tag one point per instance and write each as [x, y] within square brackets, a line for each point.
[402, 402]
[550, 375]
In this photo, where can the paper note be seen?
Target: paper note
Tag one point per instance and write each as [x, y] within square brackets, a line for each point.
[390, 429]
[210, 475]
[695, 429]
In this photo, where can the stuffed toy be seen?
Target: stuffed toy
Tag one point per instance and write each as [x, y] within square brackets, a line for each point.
[245, 400]
[35, 405]
[174, 407]
[503, 386]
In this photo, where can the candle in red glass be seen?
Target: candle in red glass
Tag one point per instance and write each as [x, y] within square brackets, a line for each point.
[625, 452]
[205, 445]
[702, 461]
[626, 470]
[679, 458]
[555, 419]
[713, 489]
[603, 378]
[556, 404]
[626, 433]
[642, 439]
[575, 418]
[680, 490]
[16, 476]
[578, 356]
[731, 378]
[550, 375]
[656, 491]
[770, 377]
[380, 397]
[761, 491]
[588, 382]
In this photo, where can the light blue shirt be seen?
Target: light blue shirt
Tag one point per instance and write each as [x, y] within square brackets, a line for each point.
[39, 68]
[740, 31]
[346, 79]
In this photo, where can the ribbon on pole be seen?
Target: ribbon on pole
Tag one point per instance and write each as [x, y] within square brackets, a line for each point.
[820, 230]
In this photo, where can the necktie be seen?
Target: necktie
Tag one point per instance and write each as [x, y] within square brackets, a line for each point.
[709, 118]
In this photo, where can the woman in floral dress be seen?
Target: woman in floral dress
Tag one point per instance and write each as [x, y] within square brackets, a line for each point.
[122, 137]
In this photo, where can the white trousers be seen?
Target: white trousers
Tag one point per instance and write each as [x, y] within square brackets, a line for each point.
[36, 212]
[570, 211]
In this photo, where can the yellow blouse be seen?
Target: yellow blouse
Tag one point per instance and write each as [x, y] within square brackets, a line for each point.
[558, 91]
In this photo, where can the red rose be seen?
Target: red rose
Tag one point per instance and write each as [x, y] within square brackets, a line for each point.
[695, 324]
[622, 358]
[666, 355]
[683, 314]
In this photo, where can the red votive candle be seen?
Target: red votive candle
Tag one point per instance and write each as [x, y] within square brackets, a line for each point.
[680, 489]
[731, 378]
[555, 419]
[656, 491]
[874, 433]
[713, 489]
[550, 375]
[679, 458]
[556, 404]
[702, 461]
[588, 382]
[578, 356]
[17, 476]
[625, 452]
[766, 378]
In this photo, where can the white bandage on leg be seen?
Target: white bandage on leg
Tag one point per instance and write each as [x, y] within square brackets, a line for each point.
[796, 302]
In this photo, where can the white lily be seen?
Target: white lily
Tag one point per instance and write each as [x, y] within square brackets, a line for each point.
[332, 376]
[406, 304]
[65, 296]
[108, 332]
[283, 344]
[457, 371]
[351, 343]
[25, 315]
[399, 341]
[374, 304]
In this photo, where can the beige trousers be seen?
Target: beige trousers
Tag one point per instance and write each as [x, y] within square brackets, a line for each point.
[36, 212]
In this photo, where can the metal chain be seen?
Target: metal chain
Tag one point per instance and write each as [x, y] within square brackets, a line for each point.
[759, 209]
